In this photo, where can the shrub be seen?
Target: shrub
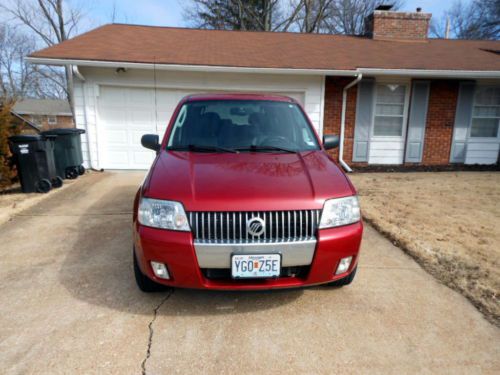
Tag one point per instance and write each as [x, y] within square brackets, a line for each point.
[8, 127]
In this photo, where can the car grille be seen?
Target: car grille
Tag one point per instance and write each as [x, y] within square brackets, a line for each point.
[231, 227]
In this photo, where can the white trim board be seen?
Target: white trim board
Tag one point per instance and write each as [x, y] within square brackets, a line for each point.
[417, 73]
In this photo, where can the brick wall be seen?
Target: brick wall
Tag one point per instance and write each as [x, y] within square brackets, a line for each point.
[398, 25]
[62, 122]
[439, 125]
[333, 112]
[440, 120]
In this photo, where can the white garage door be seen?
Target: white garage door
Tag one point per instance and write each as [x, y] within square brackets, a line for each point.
[125, 114]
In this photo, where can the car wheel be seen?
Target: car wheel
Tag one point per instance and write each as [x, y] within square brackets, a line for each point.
[144, 283]
[81, 170]
[344, 281]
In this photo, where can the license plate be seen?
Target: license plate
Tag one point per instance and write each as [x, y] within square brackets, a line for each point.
[255, 265]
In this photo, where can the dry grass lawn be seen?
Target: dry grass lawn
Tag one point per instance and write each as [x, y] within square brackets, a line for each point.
[449, 222]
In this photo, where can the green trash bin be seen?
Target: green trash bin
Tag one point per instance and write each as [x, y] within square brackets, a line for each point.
[67, 151]
[34, 158]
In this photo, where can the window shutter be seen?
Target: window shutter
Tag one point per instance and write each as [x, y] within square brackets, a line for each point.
[364, 116]
[463, 116]
[417, 121]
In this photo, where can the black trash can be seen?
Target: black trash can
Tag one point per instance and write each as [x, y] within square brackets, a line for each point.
[67, 151]
[34, 158]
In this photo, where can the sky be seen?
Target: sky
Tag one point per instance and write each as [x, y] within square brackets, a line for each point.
[170, 12]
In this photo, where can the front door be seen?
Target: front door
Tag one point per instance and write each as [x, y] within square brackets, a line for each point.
[387, 140]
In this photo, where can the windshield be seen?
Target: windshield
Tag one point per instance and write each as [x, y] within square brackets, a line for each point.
[244, 125]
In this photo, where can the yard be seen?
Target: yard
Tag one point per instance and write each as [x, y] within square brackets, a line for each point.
[449, 222]
[13, 200]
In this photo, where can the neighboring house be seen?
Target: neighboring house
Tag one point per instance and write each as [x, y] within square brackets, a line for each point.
[408, 99]
[44, 114]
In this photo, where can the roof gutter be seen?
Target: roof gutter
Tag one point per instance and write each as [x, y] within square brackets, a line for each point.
[425, 73]
[416, 73]
[342, 121]
[189, 68]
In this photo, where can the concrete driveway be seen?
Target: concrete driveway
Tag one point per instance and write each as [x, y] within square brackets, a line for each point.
[69, 304]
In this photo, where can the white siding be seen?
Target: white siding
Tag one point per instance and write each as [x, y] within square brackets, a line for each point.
[481, 151]
[386, 152]
[307, 89]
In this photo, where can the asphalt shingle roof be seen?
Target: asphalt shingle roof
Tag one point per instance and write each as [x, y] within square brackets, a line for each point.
[165, 45]
[42, 107]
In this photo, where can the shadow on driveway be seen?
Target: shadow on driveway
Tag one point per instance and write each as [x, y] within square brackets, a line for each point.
[98, 269]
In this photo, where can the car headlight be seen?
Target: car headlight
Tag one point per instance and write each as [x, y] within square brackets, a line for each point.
[162, 214]
[340, 211]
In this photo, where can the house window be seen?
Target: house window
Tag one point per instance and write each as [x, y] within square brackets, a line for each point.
[52, 120]
[389, 110]
[486, 112]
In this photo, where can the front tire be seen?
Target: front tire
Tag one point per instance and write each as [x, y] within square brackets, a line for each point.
[345, 280]
[144, 283]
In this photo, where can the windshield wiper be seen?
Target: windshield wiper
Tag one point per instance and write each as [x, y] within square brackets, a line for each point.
[202, 148]
[267, 148]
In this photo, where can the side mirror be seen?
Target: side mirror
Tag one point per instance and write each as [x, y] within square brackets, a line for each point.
[151, 141]
[330, 141]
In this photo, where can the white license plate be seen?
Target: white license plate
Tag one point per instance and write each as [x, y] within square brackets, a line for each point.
[255, 265]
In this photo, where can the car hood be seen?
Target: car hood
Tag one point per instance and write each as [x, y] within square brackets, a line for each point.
[246, 181]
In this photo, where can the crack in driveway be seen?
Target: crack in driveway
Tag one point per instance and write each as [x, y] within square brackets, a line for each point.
[151, 331]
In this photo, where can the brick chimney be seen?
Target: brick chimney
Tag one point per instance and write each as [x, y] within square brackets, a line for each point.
[384, 24]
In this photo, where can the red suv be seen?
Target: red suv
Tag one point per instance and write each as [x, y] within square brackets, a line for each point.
[242, 195]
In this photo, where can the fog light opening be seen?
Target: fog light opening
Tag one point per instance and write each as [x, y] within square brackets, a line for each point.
[160, 270]
[343, 265]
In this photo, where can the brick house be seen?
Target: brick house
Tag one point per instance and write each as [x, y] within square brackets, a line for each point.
[395, 96]
[43, 114]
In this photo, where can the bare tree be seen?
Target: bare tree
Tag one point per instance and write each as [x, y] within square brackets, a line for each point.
[308, 16]
[16, 77]
[256, 15]
[474, 20]
[348, 16]
[53, 22]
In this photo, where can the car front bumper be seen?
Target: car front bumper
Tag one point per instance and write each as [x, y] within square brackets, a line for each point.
[177, 250]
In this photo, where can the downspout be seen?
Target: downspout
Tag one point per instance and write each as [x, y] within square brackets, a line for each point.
[80, 76]
[78, 73]
[342, 121]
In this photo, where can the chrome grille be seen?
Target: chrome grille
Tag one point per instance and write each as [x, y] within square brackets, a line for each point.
[231, 227]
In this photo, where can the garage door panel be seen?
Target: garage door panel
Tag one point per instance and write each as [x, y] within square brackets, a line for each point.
[170, 97]
[119, 158]
[116, 137]
[112, 95]
[138, 97]
[125, 114]
[142, 157]
[114, 116]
